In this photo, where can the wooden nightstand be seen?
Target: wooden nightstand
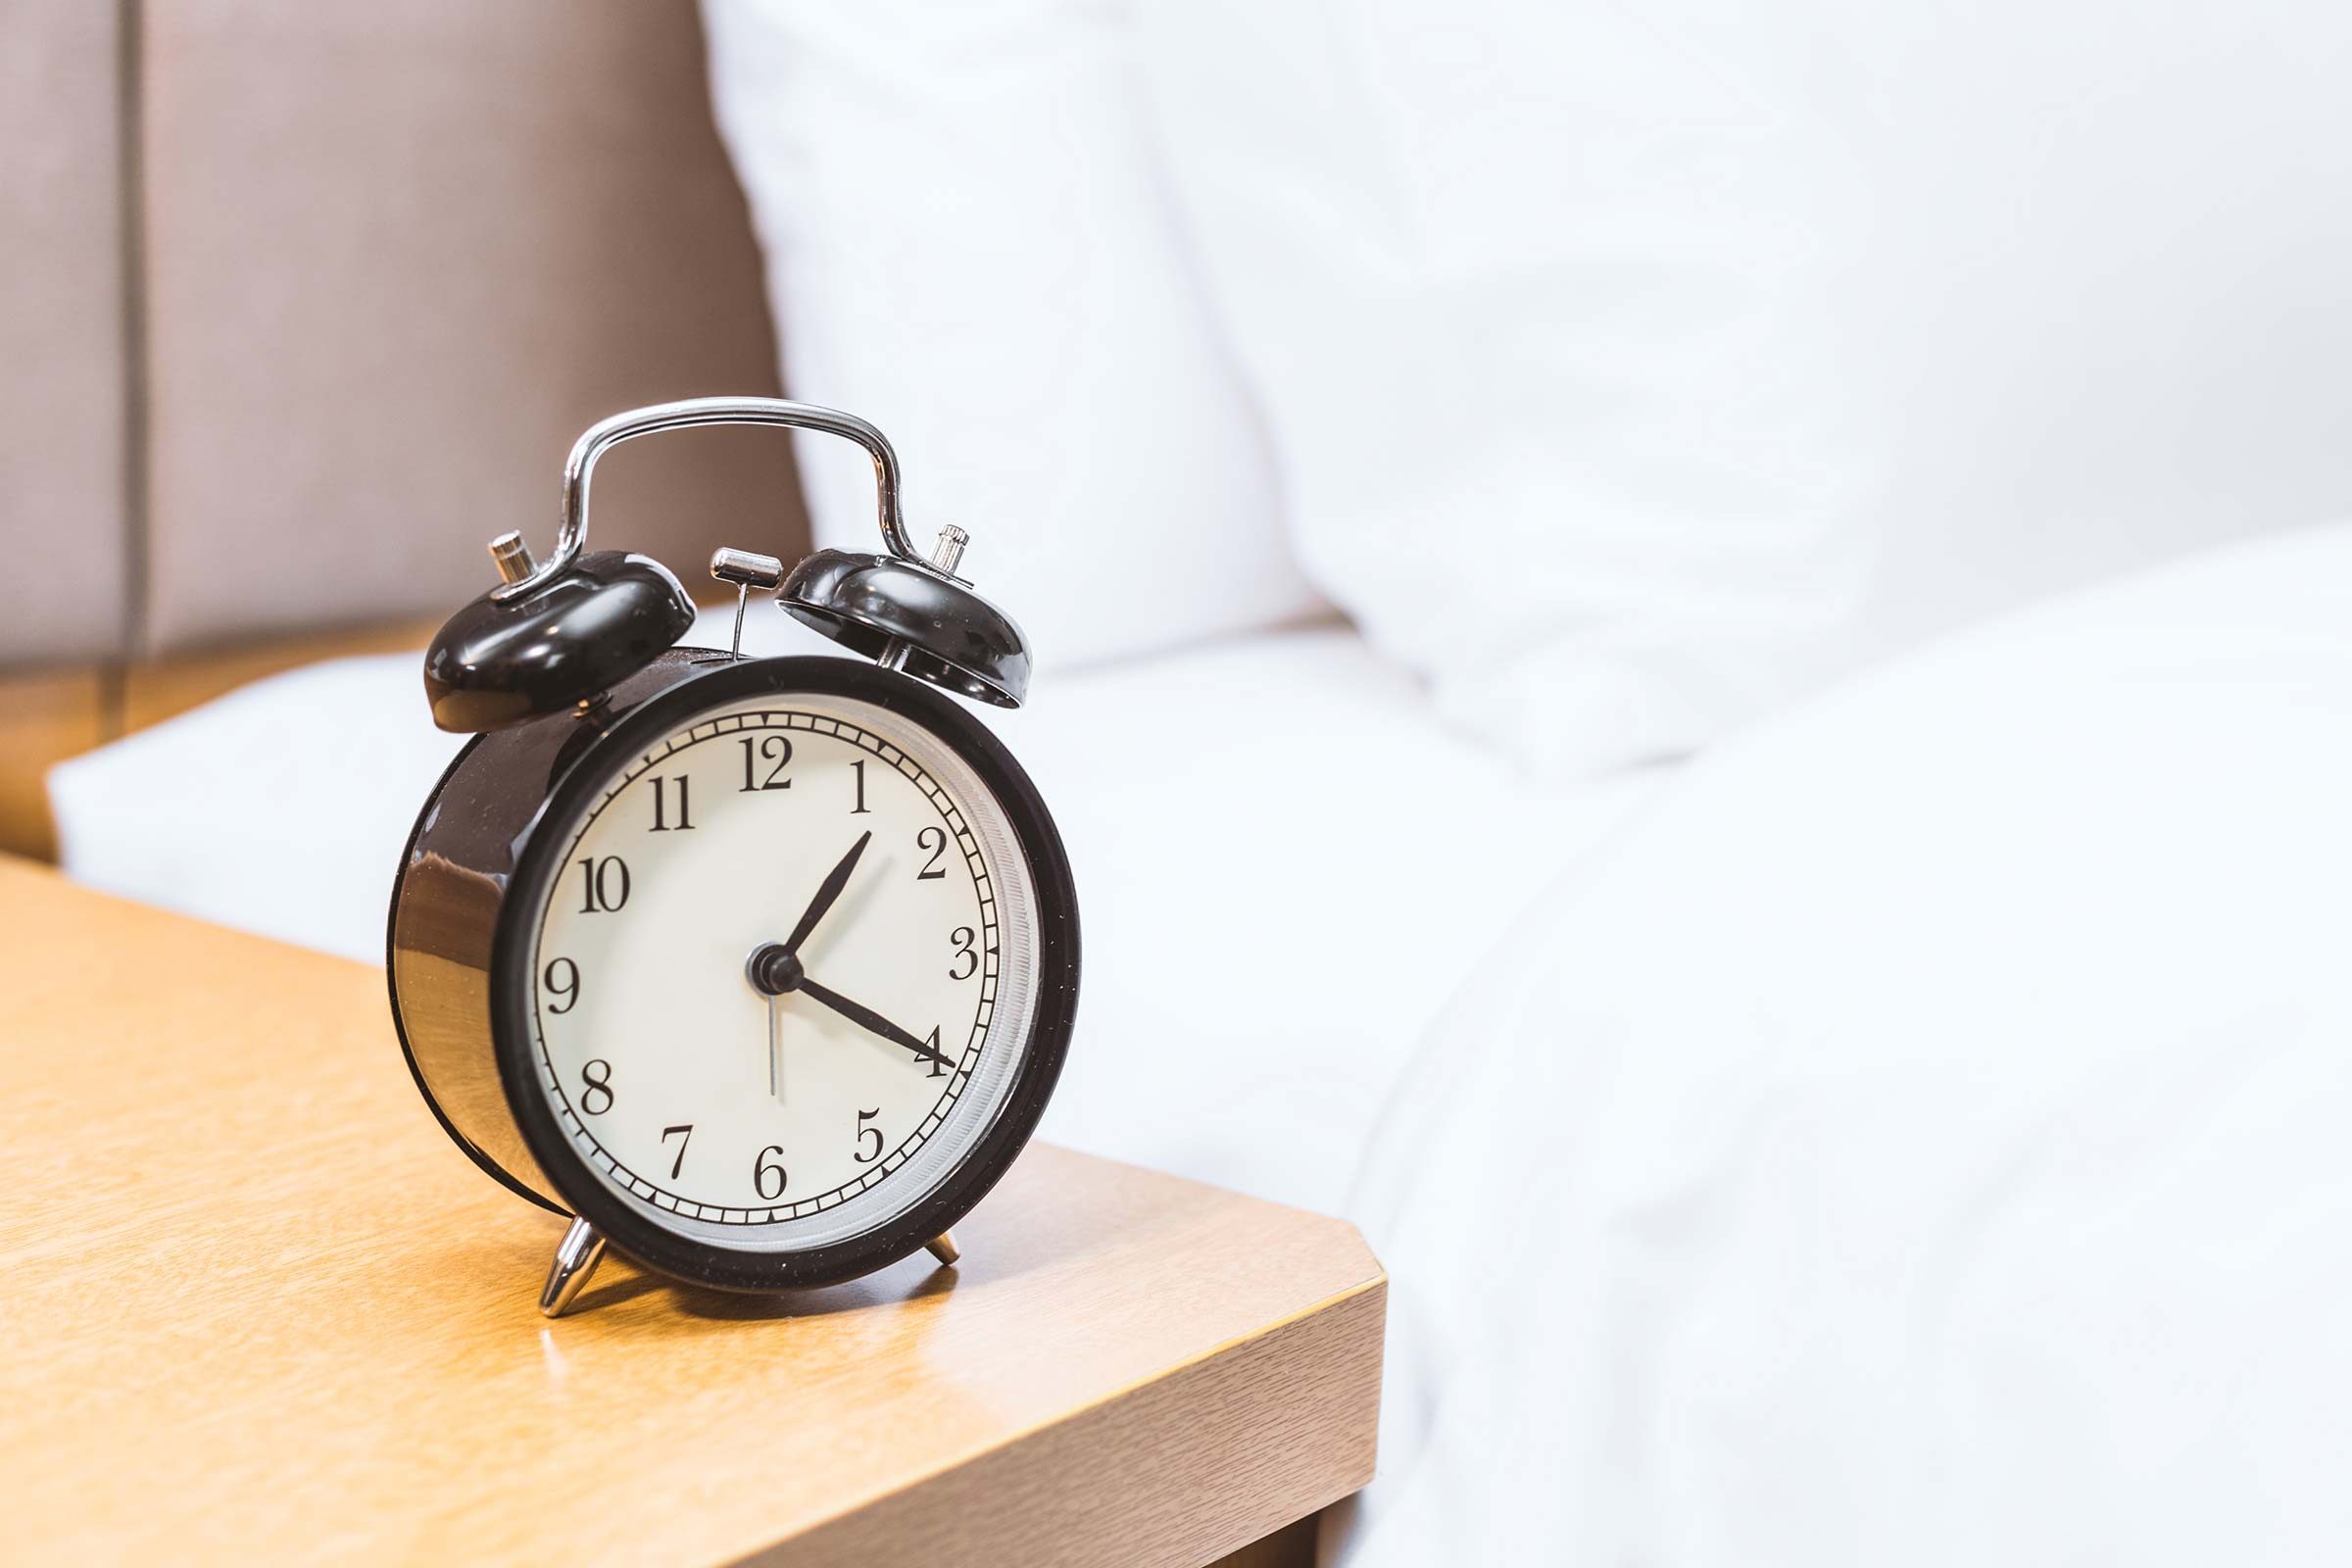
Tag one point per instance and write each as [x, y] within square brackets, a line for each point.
[257, 1306]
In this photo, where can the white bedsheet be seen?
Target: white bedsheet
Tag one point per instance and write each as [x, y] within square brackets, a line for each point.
[1924, 1137]
[1284, 864]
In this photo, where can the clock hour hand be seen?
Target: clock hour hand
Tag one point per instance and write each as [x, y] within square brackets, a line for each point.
[868, 1019]
[829, 890]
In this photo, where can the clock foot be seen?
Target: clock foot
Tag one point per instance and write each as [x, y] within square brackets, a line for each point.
[576, 1258]
[943, 1247]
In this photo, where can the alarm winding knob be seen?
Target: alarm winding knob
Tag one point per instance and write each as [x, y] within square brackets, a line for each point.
[511, 554]
[947, 552]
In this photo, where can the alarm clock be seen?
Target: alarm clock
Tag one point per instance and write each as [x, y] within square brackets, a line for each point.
[760, 970]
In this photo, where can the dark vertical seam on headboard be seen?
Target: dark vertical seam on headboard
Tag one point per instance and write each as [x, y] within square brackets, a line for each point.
[131, 221]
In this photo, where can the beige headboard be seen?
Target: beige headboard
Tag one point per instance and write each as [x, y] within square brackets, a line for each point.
[306, 302]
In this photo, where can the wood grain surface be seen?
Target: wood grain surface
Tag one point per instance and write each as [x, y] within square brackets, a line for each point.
[257, 1306]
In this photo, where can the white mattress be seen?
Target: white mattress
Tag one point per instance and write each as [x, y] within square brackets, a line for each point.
[1284, 864]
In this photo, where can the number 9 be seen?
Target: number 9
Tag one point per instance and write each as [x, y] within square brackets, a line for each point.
[562, 979]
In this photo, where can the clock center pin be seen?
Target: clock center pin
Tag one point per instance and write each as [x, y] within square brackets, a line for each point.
[774, 970]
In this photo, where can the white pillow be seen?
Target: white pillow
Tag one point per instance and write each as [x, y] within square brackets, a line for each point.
[1632, 367]
[967, 243]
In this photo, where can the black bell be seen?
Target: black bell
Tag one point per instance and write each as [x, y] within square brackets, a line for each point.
[509, 656]
[914, 617]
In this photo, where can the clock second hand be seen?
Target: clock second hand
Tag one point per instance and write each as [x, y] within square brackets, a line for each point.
[775, 1047]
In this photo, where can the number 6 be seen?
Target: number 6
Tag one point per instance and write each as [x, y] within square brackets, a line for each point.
[761, 1170]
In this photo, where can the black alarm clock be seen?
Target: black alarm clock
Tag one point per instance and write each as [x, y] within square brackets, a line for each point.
[761, 969]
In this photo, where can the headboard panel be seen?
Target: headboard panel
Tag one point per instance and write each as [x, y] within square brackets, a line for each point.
[397, 257]
[389, 261]
[61, 536]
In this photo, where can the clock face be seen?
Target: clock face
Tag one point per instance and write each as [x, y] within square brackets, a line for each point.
[783, 975]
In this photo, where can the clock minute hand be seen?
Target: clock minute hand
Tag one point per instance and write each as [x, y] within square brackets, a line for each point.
[868, 1019]
[827, 890]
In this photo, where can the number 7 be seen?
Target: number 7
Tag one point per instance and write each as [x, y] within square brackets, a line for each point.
[678, 1163]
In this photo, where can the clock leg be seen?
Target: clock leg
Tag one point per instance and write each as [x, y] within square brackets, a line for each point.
[576, 1258]
[943, 1247]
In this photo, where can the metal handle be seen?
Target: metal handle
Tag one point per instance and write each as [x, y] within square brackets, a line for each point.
[685, 415]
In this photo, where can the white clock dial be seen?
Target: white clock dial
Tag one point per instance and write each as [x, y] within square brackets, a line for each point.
[737, 1080]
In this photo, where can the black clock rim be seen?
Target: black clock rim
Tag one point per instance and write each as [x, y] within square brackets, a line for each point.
[633, 1233]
